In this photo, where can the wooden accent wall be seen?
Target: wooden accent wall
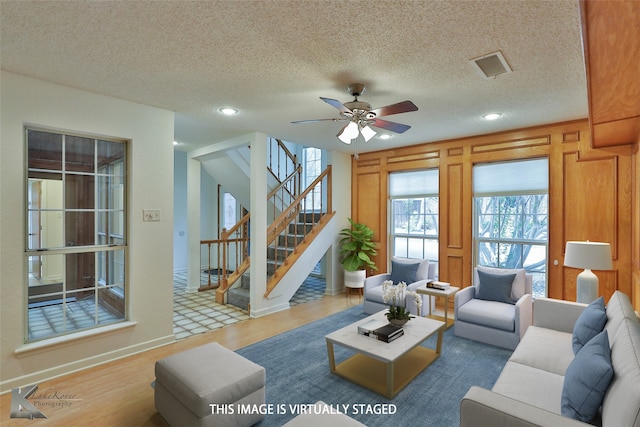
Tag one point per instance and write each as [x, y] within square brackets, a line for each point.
[635, 239]
[590, 198]
[611, 40]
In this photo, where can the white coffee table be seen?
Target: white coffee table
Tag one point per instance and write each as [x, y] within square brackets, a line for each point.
[385, 368]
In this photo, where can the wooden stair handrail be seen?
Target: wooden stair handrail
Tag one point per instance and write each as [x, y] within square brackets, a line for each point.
[288, 215]
[281, 222]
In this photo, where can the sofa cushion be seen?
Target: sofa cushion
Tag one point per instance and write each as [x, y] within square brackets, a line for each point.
[404, 272]
[618, 308]
[545, 349]
[518, 287]
[621, 406]
[495, 287]
[534, 386]
[488, 313]
[423, 268]
[590, 323]
[587, 379]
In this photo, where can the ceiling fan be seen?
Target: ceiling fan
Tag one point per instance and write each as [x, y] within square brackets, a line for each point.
[359, 116]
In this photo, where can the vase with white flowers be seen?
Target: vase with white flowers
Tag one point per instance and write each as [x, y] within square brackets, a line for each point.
[396, 296]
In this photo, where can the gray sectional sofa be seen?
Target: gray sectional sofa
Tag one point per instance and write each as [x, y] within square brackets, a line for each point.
[530, 387]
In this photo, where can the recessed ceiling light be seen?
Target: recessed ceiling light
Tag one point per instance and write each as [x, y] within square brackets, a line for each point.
[176, 143]
[385, 136]
[228, 111]
[492, 116]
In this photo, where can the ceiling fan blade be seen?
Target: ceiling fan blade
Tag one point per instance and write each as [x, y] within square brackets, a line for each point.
[392, 126]
[315, 120]
[400, 107]
[336, 104]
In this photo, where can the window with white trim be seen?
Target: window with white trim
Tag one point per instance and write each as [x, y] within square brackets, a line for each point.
[76, 240]
[312, 170]
[414, 214]
[511, 217]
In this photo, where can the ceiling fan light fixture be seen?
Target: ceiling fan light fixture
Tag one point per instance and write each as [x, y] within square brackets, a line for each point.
[367, 133]
[348, 133]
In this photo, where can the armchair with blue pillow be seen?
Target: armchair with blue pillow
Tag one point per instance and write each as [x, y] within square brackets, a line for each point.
[414, 272]
[497, 309]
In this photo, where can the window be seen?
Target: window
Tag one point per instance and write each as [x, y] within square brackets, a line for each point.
[312, 169]
[414, 214]
[230, 211]
[76, 233]
[511, 211]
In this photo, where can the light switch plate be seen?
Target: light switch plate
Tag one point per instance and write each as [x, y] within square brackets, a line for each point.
[151, 215]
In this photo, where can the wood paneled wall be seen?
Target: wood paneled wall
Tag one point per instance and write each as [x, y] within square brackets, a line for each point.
[590, 197]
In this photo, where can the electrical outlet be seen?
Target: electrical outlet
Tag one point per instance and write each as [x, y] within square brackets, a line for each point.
[151, 214]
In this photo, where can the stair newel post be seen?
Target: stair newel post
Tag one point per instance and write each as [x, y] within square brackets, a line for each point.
[298, 183]
[222, 282]
[208, 264]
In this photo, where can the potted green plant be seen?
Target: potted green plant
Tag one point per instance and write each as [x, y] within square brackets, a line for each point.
[356, 249]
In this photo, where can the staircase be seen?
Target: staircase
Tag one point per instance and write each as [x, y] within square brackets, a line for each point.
[277, 252]
[297, 218]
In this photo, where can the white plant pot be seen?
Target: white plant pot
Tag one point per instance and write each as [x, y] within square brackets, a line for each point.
[354, 279]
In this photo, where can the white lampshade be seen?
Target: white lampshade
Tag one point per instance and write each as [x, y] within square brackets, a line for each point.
[588, 255]
[348, 133]
[367, 133]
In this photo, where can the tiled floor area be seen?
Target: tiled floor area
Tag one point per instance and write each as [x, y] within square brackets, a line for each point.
[195, 313]
[49, 319]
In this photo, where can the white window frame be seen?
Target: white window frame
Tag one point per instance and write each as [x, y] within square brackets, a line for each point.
[110, 230]
[508, 180]
[421, 187]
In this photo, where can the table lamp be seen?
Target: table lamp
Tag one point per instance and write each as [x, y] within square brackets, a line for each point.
[590, 256]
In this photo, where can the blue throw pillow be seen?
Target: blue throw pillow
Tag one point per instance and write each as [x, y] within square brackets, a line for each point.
[587, 379]
[495, 287]
[589, 324]
[404, 272]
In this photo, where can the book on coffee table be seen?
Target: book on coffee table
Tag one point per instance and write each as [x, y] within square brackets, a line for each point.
[368, 328]
[389, 333]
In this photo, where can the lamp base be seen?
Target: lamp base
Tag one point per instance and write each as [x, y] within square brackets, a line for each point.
[587, 287]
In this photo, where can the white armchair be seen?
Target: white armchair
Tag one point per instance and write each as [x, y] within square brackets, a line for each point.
[425, 270]
[499, 317]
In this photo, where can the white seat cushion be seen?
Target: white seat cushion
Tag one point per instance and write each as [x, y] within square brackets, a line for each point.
[545, 349]
[534, 386]
[493, 314]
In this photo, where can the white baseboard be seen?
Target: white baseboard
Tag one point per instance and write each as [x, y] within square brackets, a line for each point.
[79, 365]
[270, 310]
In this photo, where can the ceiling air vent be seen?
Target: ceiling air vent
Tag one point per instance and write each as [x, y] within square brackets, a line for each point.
[491, 65]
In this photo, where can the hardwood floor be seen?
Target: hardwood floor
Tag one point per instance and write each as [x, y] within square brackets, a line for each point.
[119, 393]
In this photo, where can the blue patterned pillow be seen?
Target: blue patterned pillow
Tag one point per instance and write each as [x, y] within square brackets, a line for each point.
[495, 287]
[587, 379]
[589, 324]
[404, 272]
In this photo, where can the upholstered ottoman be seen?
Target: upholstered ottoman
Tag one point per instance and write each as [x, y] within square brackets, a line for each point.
[189, 383]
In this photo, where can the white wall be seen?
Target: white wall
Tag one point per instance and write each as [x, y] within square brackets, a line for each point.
[180, 226]
[150, 285]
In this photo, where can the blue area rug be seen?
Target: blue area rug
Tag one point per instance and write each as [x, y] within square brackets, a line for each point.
[298, 373]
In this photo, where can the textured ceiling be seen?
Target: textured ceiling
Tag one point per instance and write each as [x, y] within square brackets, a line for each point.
[273, 60]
